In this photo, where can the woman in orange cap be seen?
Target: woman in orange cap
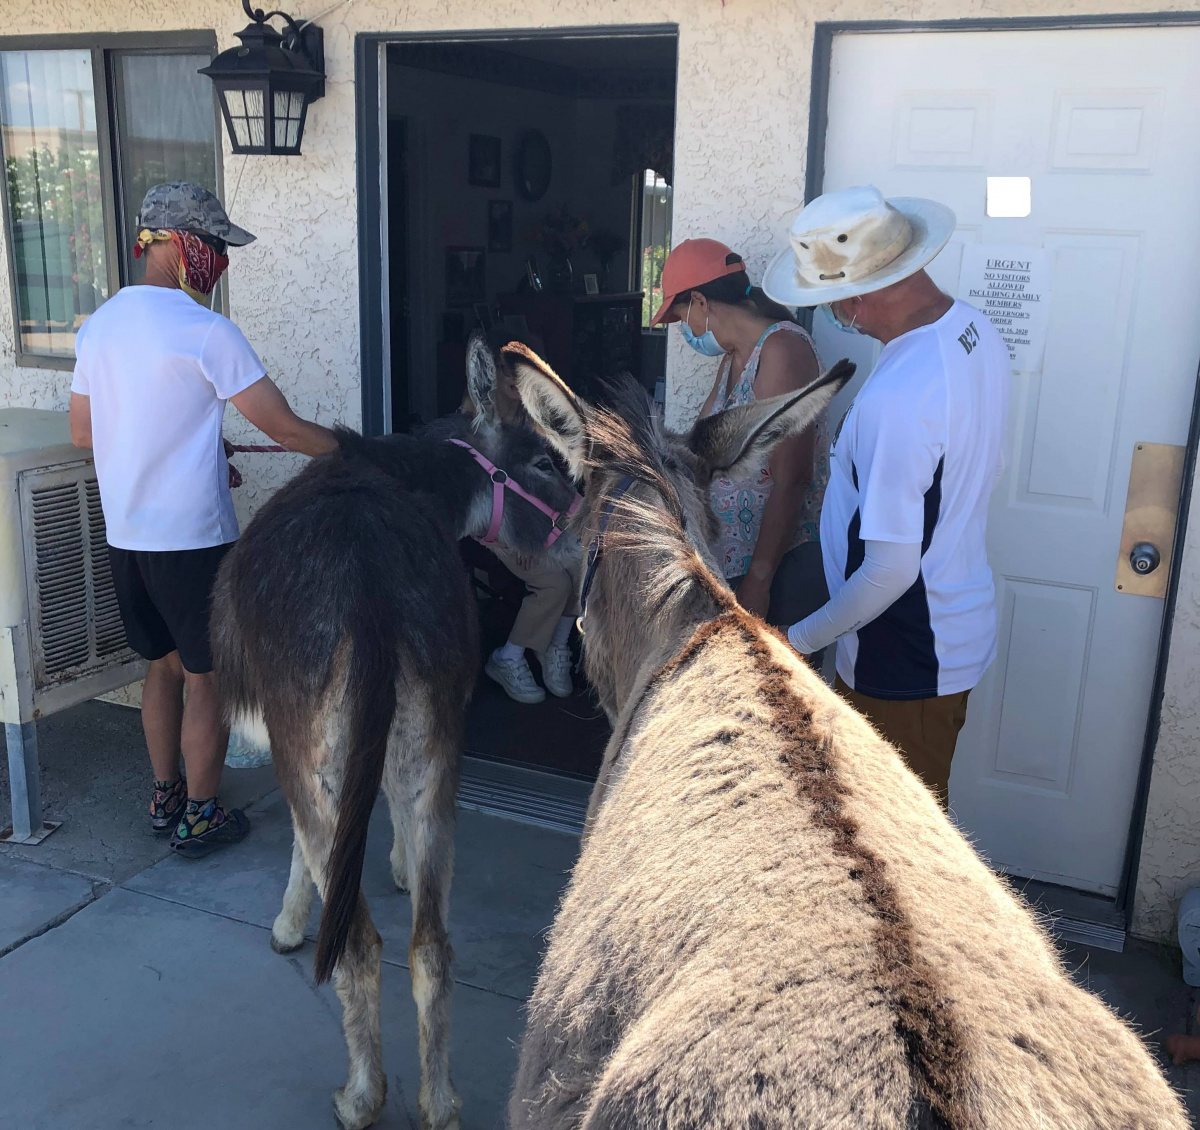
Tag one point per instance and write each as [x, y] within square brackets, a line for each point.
[770, 516]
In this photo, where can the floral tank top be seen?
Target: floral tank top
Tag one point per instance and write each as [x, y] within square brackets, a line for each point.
[739, 503]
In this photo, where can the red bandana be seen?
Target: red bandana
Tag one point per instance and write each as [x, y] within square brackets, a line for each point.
[200, 266]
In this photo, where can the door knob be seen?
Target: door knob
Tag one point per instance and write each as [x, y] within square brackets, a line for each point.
[1144, 558]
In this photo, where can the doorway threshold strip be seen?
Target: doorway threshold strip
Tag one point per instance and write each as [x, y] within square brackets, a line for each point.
[529, 796]
[552, 800]
[1075, 916]
[1092, 934]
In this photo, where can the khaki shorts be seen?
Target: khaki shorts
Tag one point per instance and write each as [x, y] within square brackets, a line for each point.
[924, 730]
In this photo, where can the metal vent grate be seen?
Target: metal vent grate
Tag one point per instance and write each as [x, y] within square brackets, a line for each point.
[110, 632]
[76, 622]
[60, 573]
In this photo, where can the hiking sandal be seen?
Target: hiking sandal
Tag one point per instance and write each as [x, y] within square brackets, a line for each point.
[167, 805]
[207, 828]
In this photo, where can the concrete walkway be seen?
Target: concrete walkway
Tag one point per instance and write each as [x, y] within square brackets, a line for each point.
[130, 993]
[165, 987]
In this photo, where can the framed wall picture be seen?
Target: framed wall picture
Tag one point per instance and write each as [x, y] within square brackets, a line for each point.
[534, 165]
[466, 277]
[483, 315]
[500, 225]
[591, 284]
[514, 324]
[483, 160]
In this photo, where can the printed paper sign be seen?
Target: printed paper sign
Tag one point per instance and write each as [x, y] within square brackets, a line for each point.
[1011, 286]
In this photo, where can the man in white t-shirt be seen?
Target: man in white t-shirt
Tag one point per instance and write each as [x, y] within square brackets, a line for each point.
[154, 368]
[912, 605]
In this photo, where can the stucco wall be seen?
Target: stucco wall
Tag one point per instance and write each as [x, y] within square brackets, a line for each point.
[740, 153]
[1170, 862]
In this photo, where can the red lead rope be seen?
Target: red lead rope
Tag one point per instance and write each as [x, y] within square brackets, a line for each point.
[235, 476]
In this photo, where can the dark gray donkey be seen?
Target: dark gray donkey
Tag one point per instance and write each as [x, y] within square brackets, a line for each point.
[344, 623]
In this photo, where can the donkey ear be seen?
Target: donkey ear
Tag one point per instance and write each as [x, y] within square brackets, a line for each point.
[730, 438]
[555, 410]
[481, 379]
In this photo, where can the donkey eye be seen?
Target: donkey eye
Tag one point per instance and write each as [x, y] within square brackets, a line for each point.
[543, 463]
[842, 238]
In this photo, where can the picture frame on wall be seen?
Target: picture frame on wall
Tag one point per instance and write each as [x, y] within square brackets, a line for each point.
[500, 225]
[533, 165]
[483, 315]
[514, 324]
[466, 276]
[483, 161]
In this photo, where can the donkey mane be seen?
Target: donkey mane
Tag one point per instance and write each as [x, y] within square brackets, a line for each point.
[628, 439]
[625, 433]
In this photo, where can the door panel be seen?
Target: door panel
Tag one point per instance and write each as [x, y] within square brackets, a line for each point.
[1045, 631]
[1047, 765]
[1079, 391]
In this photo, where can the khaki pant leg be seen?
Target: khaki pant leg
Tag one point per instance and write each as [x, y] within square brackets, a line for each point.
[551, 591]
[924, 730]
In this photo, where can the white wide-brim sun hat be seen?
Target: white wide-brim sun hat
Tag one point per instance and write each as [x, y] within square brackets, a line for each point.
[854, 242]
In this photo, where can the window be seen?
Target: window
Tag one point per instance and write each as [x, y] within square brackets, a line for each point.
[655, 240]
[76, 171]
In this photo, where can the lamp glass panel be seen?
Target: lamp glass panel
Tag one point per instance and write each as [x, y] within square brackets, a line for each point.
[246, 115]
[289, 109]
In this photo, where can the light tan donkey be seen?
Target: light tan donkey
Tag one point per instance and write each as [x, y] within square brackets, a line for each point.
[772, 924]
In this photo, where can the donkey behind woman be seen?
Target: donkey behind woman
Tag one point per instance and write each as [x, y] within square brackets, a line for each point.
[772, 924]
[344, 621]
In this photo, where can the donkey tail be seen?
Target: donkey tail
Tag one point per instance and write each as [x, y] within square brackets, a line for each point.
[371, 698]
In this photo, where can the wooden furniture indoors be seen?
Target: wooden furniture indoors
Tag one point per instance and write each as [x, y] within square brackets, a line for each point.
[587, 337]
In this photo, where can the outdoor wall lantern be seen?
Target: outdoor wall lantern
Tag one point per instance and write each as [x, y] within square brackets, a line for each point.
[265, 85]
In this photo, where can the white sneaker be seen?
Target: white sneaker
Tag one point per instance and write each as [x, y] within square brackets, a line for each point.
[515, 677]
[556, 670]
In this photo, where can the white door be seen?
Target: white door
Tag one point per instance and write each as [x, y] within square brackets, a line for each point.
[1106, 123]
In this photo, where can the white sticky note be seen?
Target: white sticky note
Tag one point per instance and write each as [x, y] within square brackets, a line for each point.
[1010, 197]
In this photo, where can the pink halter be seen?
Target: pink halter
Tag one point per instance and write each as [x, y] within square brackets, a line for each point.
[502, 481]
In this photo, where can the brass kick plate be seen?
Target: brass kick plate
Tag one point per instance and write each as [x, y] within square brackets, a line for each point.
[1151, 510]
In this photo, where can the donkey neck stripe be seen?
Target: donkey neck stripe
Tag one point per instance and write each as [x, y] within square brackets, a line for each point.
[933, 1041]
[924, 1020]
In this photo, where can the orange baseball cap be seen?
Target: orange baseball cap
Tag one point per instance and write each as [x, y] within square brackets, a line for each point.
[694, 262]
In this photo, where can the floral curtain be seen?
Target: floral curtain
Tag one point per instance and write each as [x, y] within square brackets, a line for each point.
[645, 140]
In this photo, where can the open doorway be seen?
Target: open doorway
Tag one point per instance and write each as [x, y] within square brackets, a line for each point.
[527, 189]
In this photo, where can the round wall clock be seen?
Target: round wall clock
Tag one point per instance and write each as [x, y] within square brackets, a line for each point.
[534, 165]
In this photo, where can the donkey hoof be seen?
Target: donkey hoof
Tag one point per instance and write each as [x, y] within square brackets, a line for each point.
[449, 1122]
[445, 1118]
[286, 944]
[357, 1110]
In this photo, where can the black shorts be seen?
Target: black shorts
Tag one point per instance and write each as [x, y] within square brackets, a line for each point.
[164, 600]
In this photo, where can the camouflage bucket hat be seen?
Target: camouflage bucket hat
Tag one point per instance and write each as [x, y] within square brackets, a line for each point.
[188, 207]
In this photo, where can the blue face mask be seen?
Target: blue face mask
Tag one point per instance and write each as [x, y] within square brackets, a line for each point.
[826, 308]
[706, 343]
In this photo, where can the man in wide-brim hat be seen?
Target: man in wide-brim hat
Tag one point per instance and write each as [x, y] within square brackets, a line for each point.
[912, 605]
